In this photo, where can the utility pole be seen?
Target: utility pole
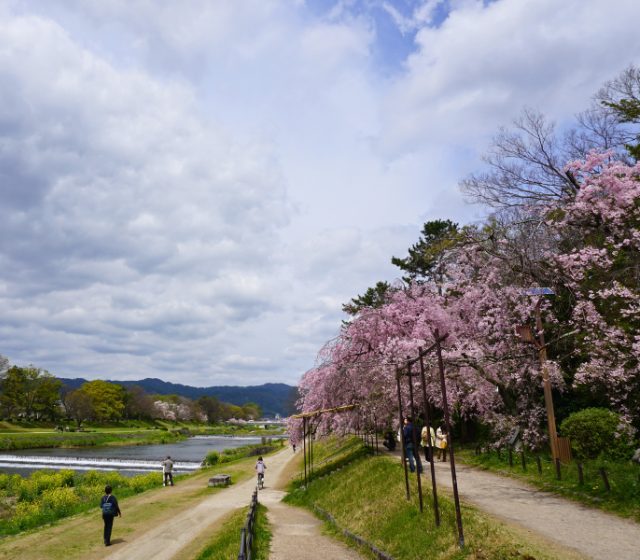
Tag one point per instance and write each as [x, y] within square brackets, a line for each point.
[548, 396]
[525, 333]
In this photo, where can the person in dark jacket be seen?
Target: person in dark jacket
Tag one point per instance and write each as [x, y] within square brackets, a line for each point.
[409, 447]
[109, 507]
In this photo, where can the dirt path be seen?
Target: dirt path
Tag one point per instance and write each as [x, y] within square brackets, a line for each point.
[167, 539]
[297, 533]
[592, 533]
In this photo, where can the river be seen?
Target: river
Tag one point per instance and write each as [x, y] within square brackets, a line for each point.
[128, 460]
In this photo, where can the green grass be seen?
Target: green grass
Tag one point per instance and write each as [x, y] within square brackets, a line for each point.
[367, 497]
[624, 478]
[29, 440]
[226, 543]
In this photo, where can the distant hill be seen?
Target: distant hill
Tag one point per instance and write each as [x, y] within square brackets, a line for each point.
[273, 398]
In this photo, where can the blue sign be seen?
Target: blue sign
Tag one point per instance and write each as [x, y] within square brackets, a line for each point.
[539, 292]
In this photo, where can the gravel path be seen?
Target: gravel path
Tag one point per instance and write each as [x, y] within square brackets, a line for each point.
[592, 533]
[297, 533]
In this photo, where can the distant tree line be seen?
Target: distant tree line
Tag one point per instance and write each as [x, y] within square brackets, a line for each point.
[34, 394]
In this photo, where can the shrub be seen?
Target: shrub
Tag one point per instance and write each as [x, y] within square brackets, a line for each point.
[212, 458]
[91, 494]
[26, 515]
[143, 482]
[102, 478]
[597, 431]
[60, 501]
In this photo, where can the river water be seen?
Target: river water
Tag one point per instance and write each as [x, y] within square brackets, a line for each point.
[128, 460]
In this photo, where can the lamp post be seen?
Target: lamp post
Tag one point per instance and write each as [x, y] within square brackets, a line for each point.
[525, 333]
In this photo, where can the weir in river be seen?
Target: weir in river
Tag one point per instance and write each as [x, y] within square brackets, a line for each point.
[128, 460]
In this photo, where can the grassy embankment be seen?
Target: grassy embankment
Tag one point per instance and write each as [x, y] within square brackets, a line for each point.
[366, 496]
[45, 496]
[79, 537]
[39, 435]
[623, 498]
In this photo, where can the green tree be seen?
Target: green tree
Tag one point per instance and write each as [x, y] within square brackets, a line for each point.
[211, 408]
[229, 411]
[12, 384]
[251, 411]
[79, 406]
[107, 399]
[372, 298]
[621, 96]
[137, 403]
[47, 396]
[30, 392]
[426, 258]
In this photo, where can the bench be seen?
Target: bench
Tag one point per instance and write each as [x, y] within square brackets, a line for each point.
[220, 480]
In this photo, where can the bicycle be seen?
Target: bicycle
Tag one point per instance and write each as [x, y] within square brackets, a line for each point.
[260, 481]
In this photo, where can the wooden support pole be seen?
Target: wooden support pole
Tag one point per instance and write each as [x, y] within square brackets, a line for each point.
[445, 406]
[414, 438]
[427, 418]
[404, 453]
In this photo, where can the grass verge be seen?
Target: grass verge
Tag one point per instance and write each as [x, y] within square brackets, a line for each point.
[225, 545]
[623, 498]
[367, 497]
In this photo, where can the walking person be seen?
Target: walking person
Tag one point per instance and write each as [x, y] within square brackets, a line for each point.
[109, 507]
[441, 443]
[167, 471]
[412, 452]
[260, 468]
[428, 443]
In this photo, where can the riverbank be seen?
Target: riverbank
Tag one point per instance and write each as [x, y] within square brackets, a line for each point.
[46, 495]
[22, 435]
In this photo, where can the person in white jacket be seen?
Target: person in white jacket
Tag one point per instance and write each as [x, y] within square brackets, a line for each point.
[426, 445]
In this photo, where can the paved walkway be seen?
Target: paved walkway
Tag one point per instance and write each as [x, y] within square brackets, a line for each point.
[590, 532]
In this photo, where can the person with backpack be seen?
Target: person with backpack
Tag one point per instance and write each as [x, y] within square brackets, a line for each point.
[109, 507]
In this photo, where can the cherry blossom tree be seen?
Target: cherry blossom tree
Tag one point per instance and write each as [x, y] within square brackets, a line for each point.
[600, 266]
[588, 250]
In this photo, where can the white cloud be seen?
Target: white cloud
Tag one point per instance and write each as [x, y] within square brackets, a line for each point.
[484, 63]
[192, 190]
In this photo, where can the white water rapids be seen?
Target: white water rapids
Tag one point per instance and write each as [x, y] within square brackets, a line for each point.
[90, 463]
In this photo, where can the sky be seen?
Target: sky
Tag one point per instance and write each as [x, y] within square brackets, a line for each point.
[191, 190]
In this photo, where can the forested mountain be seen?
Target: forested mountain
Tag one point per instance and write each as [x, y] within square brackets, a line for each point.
[273, 398]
